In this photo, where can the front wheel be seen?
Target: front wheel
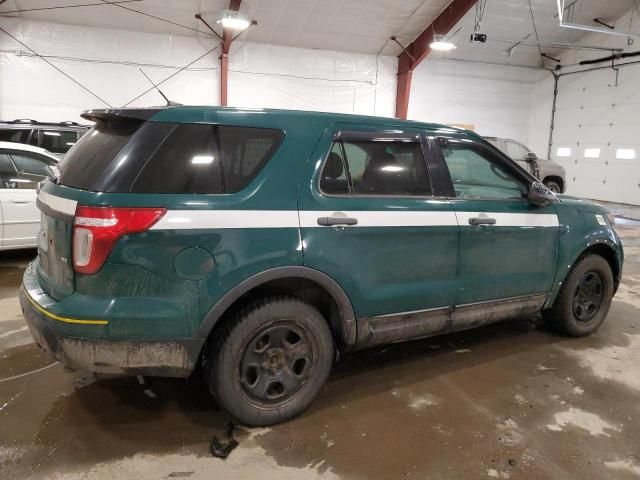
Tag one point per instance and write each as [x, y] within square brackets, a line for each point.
[268, 363]
[585, 298]
[553, 186]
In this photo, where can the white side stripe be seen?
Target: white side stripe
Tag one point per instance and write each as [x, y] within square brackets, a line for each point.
[212, 219]
[59, 204]
[309, 218]
[512, 219]
[222, 219]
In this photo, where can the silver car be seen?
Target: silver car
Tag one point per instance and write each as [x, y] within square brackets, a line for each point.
[552, 174]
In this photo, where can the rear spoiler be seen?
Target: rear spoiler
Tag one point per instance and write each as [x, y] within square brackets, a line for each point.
[124, 113]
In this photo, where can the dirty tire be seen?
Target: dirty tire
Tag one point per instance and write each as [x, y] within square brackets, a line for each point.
[553, 186]
[267, 364]
[568, 314]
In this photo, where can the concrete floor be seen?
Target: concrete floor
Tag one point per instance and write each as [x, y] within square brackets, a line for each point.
[506, 401]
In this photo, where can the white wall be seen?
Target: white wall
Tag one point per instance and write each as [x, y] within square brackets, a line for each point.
[107, 62]
[494, 99]
[595, 112]
[540, 115]
[284, 77]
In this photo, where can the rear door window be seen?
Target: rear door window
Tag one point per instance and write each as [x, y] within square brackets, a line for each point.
[333, 179]
[209, 159]
[82, 165]
[377, 168]
[31, 163]
[17, 135]
[7, 172]
[32, 168]
[57, 141]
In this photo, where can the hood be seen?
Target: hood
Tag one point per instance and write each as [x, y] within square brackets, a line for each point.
[551, 167]
[582, 203]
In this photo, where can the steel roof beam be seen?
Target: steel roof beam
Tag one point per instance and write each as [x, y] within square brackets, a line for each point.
[418, 50]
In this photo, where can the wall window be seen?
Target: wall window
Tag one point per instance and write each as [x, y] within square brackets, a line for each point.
[376, 168]
[475, 175]
[626, 153]
[591, 153]
[563, 152]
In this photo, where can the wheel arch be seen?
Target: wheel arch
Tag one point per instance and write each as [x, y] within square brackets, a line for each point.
[604, 248]
[607, 252]
[328, 297]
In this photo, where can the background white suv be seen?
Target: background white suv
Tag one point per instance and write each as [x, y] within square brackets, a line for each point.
[57, 138]
[22, 167]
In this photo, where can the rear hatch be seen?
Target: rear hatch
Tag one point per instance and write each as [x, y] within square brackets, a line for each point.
[76, 176]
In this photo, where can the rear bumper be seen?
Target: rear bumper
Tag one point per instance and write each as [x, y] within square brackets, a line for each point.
[172, 358]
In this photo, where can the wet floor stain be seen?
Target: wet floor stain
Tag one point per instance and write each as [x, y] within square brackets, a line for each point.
[511, 400]
[407, 410]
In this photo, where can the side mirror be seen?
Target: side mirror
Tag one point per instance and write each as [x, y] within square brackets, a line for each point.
[539, 194]
[530, 157]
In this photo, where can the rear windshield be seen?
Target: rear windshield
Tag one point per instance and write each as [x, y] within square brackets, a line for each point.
[82, 165]
[199, 158]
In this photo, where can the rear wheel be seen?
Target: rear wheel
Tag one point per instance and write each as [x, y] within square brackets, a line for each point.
[268, 364]
[585, 298]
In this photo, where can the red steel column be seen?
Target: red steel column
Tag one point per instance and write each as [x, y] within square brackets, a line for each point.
[227, 36]
[224, 78]
[419, 49]
[402, 93]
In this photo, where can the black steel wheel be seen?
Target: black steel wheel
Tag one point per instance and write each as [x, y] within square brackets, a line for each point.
[588, 297]
[584, 298]
[276, 363]
[267, 364]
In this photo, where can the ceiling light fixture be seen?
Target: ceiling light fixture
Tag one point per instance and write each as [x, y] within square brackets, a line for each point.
[441, 44]
[202, 160]
[234, 20]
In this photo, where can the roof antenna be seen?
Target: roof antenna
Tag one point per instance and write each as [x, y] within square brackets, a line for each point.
[169, 102]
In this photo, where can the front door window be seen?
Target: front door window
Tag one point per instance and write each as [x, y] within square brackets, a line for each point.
[474, 175]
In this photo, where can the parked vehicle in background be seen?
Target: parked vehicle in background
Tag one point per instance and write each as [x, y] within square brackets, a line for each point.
[552, 174]
[22, 167]
[258, 243]
[57, 138]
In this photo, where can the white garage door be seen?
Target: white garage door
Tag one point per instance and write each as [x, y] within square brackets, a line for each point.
[597, 134]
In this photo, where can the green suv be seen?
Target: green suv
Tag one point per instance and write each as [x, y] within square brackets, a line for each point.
[258, 244]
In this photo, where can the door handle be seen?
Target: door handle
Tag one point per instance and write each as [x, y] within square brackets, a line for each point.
[19, 201]
[336, 221]
[482, 221]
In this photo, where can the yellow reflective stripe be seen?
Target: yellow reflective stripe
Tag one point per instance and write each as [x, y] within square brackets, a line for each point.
[63, 319]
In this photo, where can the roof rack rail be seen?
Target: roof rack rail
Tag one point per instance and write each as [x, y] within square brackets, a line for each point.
[69, 122]
[23, 120]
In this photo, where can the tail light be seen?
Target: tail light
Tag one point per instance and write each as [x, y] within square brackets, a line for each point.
[97, 229]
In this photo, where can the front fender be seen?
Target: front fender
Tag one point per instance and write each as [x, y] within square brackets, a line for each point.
[580, 231]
